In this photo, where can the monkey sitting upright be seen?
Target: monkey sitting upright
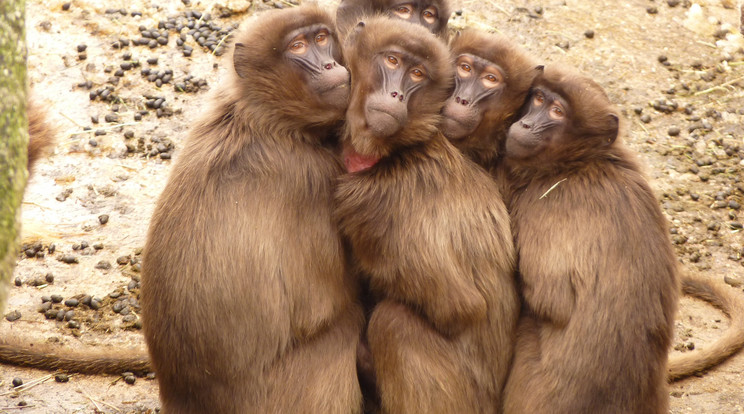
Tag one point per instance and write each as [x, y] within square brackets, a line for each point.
[598, 274]
[247, 304]
[427, 227]
[493, 78]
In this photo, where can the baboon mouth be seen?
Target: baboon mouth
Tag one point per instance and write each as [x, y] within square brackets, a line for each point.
[339, 85]
[456, 129]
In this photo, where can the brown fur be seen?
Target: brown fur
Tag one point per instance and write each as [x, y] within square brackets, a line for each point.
[92, 362]
[484, 145]
[349, 12]
[598, 273]
[40, 134]
[429, 230]
[247, 305]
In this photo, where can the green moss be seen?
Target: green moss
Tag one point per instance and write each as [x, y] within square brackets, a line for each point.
[13, 133]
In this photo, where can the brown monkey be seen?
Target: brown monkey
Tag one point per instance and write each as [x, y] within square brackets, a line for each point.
[492, 79]
[427, 227]
[597, 270]
[247, 304]
[432, 14]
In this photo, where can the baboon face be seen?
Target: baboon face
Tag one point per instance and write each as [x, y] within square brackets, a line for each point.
[477, 81]
[401, 74]
[541, 127]
[313, 52]
[291, 66]
[425, 13]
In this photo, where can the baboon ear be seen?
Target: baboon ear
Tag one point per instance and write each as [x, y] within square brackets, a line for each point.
[613, 128]
[240, 60]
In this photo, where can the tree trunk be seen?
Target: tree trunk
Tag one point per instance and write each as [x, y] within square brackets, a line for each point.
[13, 134]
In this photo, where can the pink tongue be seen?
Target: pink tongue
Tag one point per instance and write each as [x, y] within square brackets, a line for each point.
[355, 161]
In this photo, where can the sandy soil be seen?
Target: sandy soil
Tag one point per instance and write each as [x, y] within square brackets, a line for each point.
[697, 173]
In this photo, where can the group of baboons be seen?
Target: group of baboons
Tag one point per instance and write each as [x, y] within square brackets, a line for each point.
[412, 221]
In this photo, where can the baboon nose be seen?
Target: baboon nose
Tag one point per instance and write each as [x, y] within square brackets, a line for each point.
[462, 101]
[525, 126]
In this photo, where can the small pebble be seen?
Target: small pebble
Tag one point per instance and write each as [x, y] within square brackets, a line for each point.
[646, 119]
[130, 379]
[652, 10]
[82, 47]
[673, 131]
[17, 382]
[69, 315]
[13, 316]
[72, 302]
[68, 258]
[732, 281]
[66, 6]
[61, 378]
[103, 218]
[73, 324]
[589, 34]
[56, 298]
[18, 281]
[103, 265]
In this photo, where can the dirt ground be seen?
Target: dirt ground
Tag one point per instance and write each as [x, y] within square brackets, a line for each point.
[675, 68]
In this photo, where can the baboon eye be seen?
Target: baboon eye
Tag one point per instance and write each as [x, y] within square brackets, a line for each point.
[464, 69]
[557, 112]
[403, 11]
[539, 99]
[391, 61]
[491, 80]
[430, 15]
[298, 45]
[322, 37]
[417, 74]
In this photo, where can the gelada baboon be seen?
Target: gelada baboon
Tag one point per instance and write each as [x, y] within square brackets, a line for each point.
[247, 304]
[597, 270]
[432, 14]
[427, 227]
[492, 79]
